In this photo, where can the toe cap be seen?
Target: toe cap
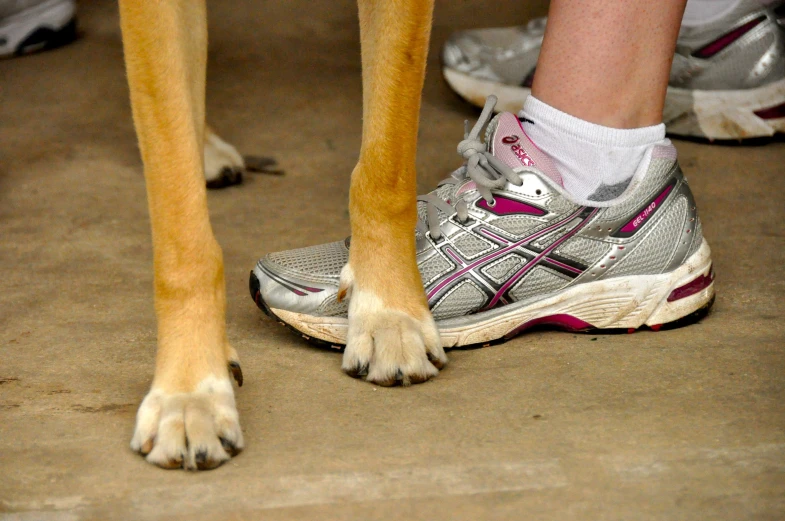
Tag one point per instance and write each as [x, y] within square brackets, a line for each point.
[303, 281]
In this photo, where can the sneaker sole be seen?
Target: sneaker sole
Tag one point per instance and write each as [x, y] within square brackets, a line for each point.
[663, 301]
[41, 27]
[714, 115]
[726, 114]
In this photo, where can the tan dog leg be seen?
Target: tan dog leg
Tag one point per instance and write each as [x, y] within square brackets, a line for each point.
[392, 337]
[189, 417]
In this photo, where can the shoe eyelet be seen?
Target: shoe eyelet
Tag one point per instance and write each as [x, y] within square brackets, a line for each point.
[538, 192]
[435, 241]
[467, 222]
[491, 204]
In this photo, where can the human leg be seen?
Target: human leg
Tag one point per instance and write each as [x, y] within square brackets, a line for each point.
[727, 80]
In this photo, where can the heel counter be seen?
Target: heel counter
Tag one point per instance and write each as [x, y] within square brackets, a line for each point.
[692, 230]
[696, 230]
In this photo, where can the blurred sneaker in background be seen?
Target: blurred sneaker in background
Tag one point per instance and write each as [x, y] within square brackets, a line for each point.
[727, 79]
[28, 26]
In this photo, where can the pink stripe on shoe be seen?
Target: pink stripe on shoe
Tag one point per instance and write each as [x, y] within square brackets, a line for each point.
[726, 39]
[646, 212]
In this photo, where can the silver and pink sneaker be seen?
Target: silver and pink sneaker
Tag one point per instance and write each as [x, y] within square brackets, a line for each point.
[502, 247]
[727, 80]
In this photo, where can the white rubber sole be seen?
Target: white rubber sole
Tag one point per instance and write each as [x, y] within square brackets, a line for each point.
[52, 14]
[619, 303]
[720, 114]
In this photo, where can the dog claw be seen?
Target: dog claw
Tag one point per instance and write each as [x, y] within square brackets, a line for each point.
[201, 458]
[146, 447]
[229, 447]
[358, 371]
[263, 165]
[437, 363]
[227, 177]
[237, 372]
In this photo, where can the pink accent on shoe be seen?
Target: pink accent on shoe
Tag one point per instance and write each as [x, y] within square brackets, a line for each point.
[775, 112]
[694, 286]
[512, 146]
[466, 187]
[529, 265]
[565, 266]
[646, 212]
[510, 246]
[494, 236]
[726, 39]
[505, 206]
[455, 256]
[564, 321]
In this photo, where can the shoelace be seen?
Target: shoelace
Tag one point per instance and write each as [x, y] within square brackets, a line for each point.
[481, 166]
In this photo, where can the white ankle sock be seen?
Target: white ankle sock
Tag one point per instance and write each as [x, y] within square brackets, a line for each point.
[699, 12]
[596, 163]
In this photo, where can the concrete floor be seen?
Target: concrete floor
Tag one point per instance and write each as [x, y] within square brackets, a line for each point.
[684, 424]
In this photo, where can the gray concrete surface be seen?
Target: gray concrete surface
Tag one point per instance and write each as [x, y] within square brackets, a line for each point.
[685, 424]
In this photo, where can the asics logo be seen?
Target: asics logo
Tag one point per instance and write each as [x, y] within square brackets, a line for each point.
[522, 156]
[518, 150]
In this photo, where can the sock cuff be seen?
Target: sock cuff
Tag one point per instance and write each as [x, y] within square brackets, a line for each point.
[543, 114]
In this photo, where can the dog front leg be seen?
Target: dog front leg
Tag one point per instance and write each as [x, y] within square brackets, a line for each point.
[392, 337]
[189, 418]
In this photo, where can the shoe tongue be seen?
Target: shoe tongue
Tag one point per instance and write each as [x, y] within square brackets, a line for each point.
[509, 143]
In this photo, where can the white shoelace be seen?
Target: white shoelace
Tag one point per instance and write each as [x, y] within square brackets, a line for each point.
[481, 166]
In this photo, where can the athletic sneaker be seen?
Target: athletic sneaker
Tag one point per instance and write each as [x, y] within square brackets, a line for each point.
[502, 247]
[28, 26]
[727, 79]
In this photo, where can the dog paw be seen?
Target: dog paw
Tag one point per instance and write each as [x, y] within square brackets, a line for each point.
[388, 346]
[199, 430]
[223, 164]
